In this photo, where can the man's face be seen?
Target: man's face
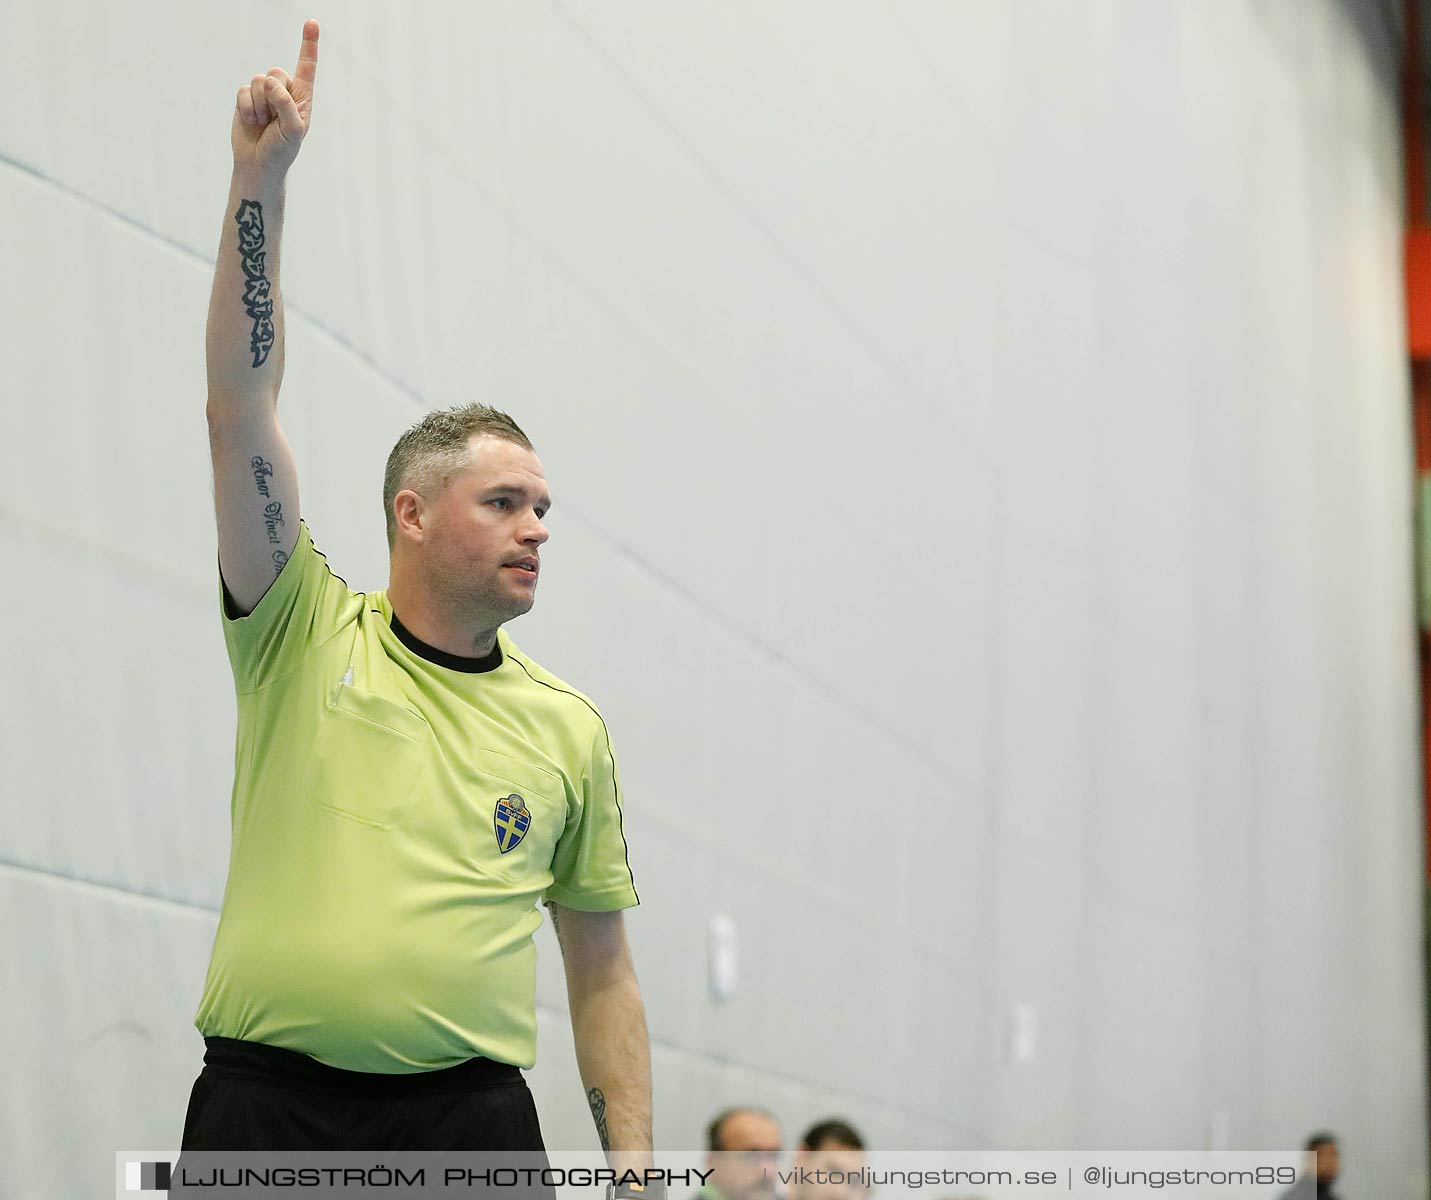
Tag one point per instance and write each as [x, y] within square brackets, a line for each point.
[744, 1167]
[844, 1163]
[487, 518]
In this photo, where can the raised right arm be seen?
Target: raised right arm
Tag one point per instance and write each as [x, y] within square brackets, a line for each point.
[255, 479]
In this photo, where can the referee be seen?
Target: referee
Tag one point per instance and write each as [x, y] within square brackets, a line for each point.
[409, 786]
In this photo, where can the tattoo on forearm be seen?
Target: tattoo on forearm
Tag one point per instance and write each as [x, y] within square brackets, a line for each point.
[261, 471]
[257, 301]
[598, 1114]
[272, 511]
[272, 519]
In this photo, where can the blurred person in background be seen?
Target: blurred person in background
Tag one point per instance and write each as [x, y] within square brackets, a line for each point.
[743, 1153]
[832, 1149]
[1318, 1185]
[1329, 1163]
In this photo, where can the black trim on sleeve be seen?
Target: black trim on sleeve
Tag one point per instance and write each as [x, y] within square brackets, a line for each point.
[616, 788]
[231, 606]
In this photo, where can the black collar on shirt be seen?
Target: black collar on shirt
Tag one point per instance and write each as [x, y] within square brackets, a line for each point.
[473, 666]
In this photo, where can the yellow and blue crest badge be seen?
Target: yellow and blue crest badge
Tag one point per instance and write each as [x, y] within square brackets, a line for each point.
[511, 820]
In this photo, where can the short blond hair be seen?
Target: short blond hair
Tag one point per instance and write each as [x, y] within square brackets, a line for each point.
[432, 451]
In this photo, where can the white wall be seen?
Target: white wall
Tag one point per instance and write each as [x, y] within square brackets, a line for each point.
[980, 443]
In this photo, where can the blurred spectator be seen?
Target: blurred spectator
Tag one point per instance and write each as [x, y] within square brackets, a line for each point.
[1329, 1163]
[744, 1153]
[828, 1164]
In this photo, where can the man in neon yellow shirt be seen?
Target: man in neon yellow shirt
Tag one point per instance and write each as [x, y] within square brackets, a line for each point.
[408, 785]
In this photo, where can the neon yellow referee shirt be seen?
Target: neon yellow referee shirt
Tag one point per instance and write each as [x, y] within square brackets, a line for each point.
[396, 821]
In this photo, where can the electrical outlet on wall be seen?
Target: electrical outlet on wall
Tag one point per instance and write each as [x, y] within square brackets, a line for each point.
[724, 971]
[1023, 1034]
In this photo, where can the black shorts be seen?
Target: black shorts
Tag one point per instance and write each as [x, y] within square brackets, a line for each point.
[255, 1097]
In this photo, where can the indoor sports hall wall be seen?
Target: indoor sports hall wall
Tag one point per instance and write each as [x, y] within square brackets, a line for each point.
[979, 440]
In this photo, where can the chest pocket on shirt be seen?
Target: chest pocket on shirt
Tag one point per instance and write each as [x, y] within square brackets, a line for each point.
[526, 807]
[368, 757]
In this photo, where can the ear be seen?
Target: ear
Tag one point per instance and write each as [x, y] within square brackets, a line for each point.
[410, 514]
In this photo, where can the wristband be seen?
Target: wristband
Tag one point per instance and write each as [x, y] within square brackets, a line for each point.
[653, 1190]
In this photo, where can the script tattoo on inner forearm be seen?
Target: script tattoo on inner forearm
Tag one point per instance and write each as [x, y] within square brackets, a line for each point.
[257, 300]
[272, 511]
[598, 1114]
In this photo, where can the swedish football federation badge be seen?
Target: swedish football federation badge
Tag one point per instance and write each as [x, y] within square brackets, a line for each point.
[511, 821]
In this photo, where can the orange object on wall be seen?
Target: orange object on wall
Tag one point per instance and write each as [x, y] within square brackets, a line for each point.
[1418, 291]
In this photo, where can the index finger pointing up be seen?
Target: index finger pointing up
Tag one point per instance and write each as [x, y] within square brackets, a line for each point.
[308, 54]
